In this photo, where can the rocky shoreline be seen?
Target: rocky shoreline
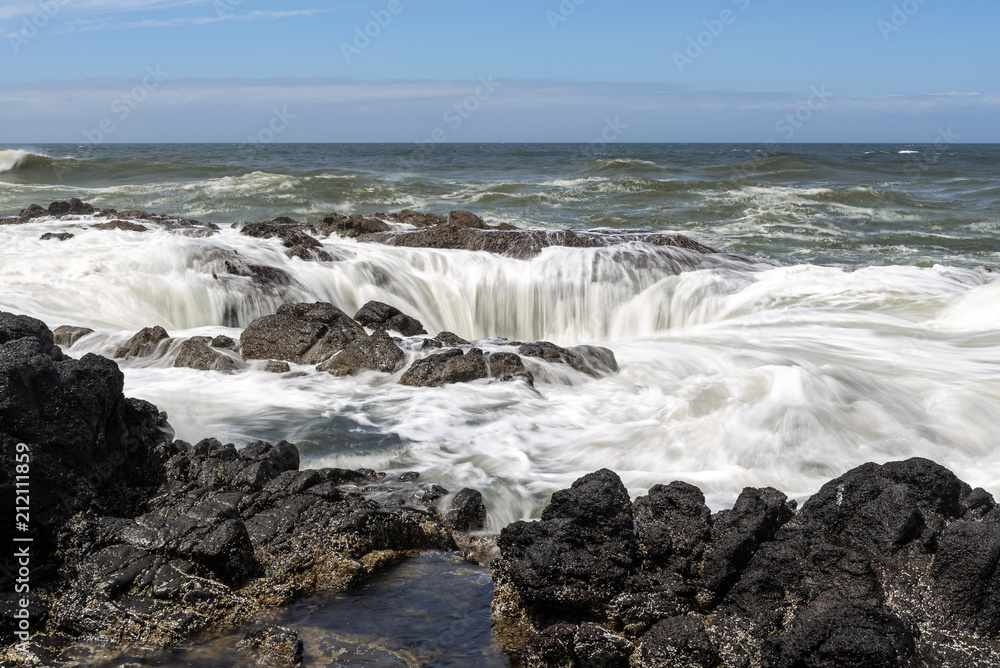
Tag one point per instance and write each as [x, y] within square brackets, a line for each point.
[144, 540]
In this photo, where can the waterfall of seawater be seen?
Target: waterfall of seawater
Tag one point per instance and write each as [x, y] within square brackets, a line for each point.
[732, 374]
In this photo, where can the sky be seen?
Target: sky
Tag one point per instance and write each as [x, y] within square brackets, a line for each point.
[780, 71]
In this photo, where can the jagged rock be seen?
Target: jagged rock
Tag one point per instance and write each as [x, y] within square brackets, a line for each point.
[67, 335]
[125, 225]
[377, 352]
[272, 646]
[576, 559]
[674, 525]
[467, 511]
[450, 366]
[382, 316]
[851, 634]
[446, 339]
[142, 343]
[507, 367]
[550, 648]
[58, 236]
[350, 226]
[591, 360]
[678, 641]
[90, 448]
[301, 333]
[196, 355]
[292, 236]
[965, 577]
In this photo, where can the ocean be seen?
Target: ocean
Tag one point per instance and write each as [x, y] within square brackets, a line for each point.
[866, 326]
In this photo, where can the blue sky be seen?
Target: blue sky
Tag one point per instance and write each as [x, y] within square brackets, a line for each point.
[516, 70]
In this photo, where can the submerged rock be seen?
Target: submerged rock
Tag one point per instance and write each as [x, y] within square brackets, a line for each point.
[292, 236]
[891, 565]
[198, 355]
[591, 360]
[58, 236]
[67, 335]
[272, 646]
[142, 343]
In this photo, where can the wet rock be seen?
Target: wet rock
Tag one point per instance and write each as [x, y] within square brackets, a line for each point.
[466, 219]
[301, 333]
[450, 366]
[272, 646]
[292, 236]
[551, 648]
[197, 355]
[224, 342]
[124, 225]
[508, 366]
[377, 352]
[67, 335]
[965, 577]
[467, 511]
[678, 641]
[91, 449]
[33, 211]
[350, 226]
[591, 360]
[74, 207]
[851, 634]
[377, 315]
[572, 563]
[596, 647]
[409, 476]
[142, 344]
[448, 339]
[674, 526]
[58, 236]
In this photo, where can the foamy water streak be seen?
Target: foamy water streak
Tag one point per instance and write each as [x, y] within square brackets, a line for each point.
[732, 374]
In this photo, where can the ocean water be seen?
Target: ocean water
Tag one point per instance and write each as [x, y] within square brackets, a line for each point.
[865, 328]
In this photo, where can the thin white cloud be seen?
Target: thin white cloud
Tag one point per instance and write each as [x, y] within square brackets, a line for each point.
[182, 21]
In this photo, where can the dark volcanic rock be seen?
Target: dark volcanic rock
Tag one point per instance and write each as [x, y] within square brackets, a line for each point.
[33, 211]
[292, 236]
[575, 560]
[382, 316]
[350, 226]
[58, 236]
[301, 333]
[450, 366]
[888, 565]
[466, 219]
[272, 646]
[377, 352]
[74, 207]
[277, 367]
[224, 342]
[851, 634]
[678, 641]
[142, 343]
[467, 511]
[197, 355]
[67, 335]
[508, 366]
[591, 360]
[90, 448]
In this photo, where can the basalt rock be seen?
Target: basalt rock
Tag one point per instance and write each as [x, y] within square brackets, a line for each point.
[301, 333]
[382, 316]
[272, 646]
[33, 211]
[58, 236]
[887, 565]
[74, 207]
[124, 225]
[142, 344]
[377, 352]
[451, 366]
[292, 236]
